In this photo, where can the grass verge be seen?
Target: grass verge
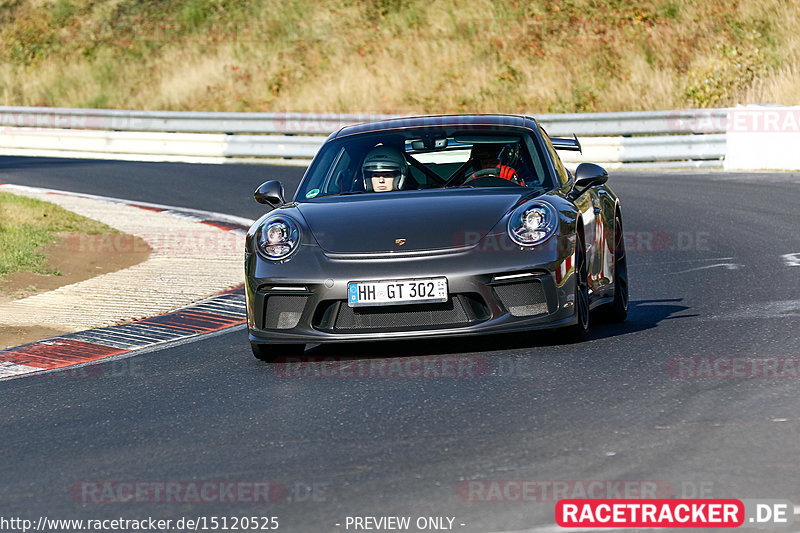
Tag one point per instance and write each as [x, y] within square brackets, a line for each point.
[399, 56]
[28, 225]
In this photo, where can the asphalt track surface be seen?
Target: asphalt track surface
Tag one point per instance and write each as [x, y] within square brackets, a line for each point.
[707, 280]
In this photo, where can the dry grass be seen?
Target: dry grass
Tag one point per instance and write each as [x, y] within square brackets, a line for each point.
[398, 56]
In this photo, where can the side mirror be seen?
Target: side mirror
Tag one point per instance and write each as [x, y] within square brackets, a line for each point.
[270, 192]
[588, 175]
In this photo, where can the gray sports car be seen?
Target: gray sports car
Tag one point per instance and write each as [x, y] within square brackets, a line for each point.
[434, 226]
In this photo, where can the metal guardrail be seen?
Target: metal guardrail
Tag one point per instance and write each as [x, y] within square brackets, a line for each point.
[690, 121]
[194, 147]
[660, 148]
[155, 146]
[590, 124]
[614, 139]
[180, 121]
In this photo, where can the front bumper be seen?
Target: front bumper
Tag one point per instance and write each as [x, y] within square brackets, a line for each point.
[304, 300]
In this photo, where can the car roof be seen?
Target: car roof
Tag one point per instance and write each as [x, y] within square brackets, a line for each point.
[514, 121]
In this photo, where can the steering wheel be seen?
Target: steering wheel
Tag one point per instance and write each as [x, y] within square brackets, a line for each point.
[486, 172]
[492, 177]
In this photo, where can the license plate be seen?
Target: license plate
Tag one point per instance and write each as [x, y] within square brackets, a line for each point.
[394, 292]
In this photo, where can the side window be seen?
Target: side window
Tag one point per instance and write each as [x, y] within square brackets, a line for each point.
[337, 180]
[563, 176]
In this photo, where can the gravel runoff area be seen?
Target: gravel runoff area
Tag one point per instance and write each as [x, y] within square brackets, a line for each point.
[191, 259]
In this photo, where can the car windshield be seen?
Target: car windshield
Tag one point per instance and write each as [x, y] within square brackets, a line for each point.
[417, 159]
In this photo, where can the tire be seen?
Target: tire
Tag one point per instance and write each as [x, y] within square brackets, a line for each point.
[271, 352]
[617, 310]
[579, 331]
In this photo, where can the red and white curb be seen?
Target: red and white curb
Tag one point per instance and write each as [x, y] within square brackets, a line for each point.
[213, 314]
[173, 278]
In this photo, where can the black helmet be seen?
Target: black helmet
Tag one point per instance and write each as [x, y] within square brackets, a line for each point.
[385, 159]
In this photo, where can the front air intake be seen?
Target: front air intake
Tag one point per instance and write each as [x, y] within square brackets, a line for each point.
[283, 312]
[524, 298]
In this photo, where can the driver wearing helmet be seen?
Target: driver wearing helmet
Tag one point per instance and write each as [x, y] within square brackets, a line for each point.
[493, 156]
[384, 169]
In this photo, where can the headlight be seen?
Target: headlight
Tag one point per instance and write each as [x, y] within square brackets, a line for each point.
[278, 238]
[532, 223]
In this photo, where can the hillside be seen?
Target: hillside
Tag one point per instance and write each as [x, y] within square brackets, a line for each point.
[397, 56]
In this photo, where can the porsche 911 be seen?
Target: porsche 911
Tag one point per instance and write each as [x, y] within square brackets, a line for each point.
[435, 226]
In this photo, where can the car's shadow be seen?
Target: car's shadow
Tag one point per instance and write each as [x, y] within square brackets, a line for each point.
[642, 315]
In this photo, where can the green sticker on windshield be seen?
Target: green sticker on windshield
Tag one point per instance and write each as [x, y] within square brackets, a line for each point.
[312, 193]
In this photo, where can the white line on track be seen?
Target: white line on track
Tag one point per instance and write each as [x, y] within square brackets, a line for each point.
[688, 261]
[726, 266]
[791, 260]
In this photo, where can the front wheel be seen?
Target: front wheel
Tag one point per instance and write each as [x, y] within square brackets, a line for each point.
[578, 331]
[270, 352]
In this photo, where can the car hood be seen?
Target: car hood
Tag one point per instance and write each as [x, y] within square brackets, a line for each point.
[407, 221]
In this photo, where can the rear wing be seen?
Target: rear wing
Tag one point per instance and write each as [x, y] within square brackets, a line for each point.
[561, 143]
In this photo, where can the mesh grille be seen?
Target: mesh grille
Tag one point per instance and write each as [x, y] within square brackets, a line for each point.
[449, 313]
[523, 299]
[283, 312]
